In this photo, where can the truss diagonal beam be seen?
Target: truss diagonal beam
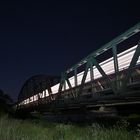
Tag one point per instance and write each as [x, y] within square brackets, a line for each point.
[84, 77]
[62, 83]
[116, 67]
[132, 64]
[70, 86]
[104, 74]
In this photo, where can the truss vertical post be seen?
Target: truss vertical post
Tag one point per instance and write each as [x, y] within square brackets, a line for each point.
[91, 70]
[75, 76]
[116, 66]
[61, 82]
[64, 85]
[92, 75]
[50, 92]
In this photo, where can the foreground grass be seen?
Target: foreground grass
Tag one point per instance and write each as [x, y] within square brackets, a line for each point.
[11, 129]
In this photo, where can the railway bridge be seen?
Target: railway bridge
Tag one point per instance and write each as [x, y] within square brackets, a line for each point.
[107, 79]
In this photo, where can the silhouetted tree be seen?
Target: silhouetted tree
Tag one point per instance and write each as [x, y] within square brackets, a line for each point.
[5, 102]
[5, 97]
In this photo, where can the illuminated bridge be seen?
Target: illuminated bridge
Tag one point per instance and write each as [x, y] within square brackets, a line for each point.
[108, 77]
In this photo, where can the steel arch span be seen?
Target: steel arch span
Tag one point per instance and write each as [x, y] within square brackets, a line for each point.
[37, 84]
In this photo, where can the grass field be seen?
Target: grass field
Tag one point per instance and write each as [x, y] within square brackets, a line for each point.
[11, 129]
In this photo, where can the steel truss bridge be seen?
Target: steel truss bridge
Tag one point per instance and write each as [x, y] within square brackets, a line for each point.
[108, 77]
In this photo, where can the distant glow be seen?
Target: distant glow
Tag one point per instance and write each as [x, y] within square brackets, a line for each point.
[55, 88]
[31, 99]
[47, 93]
[35, 97]
[72, 81]
[27, 101]
[44, 94]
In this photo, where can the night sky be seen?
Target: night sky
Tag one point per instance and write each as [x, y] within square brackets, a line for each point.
[47, 38]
